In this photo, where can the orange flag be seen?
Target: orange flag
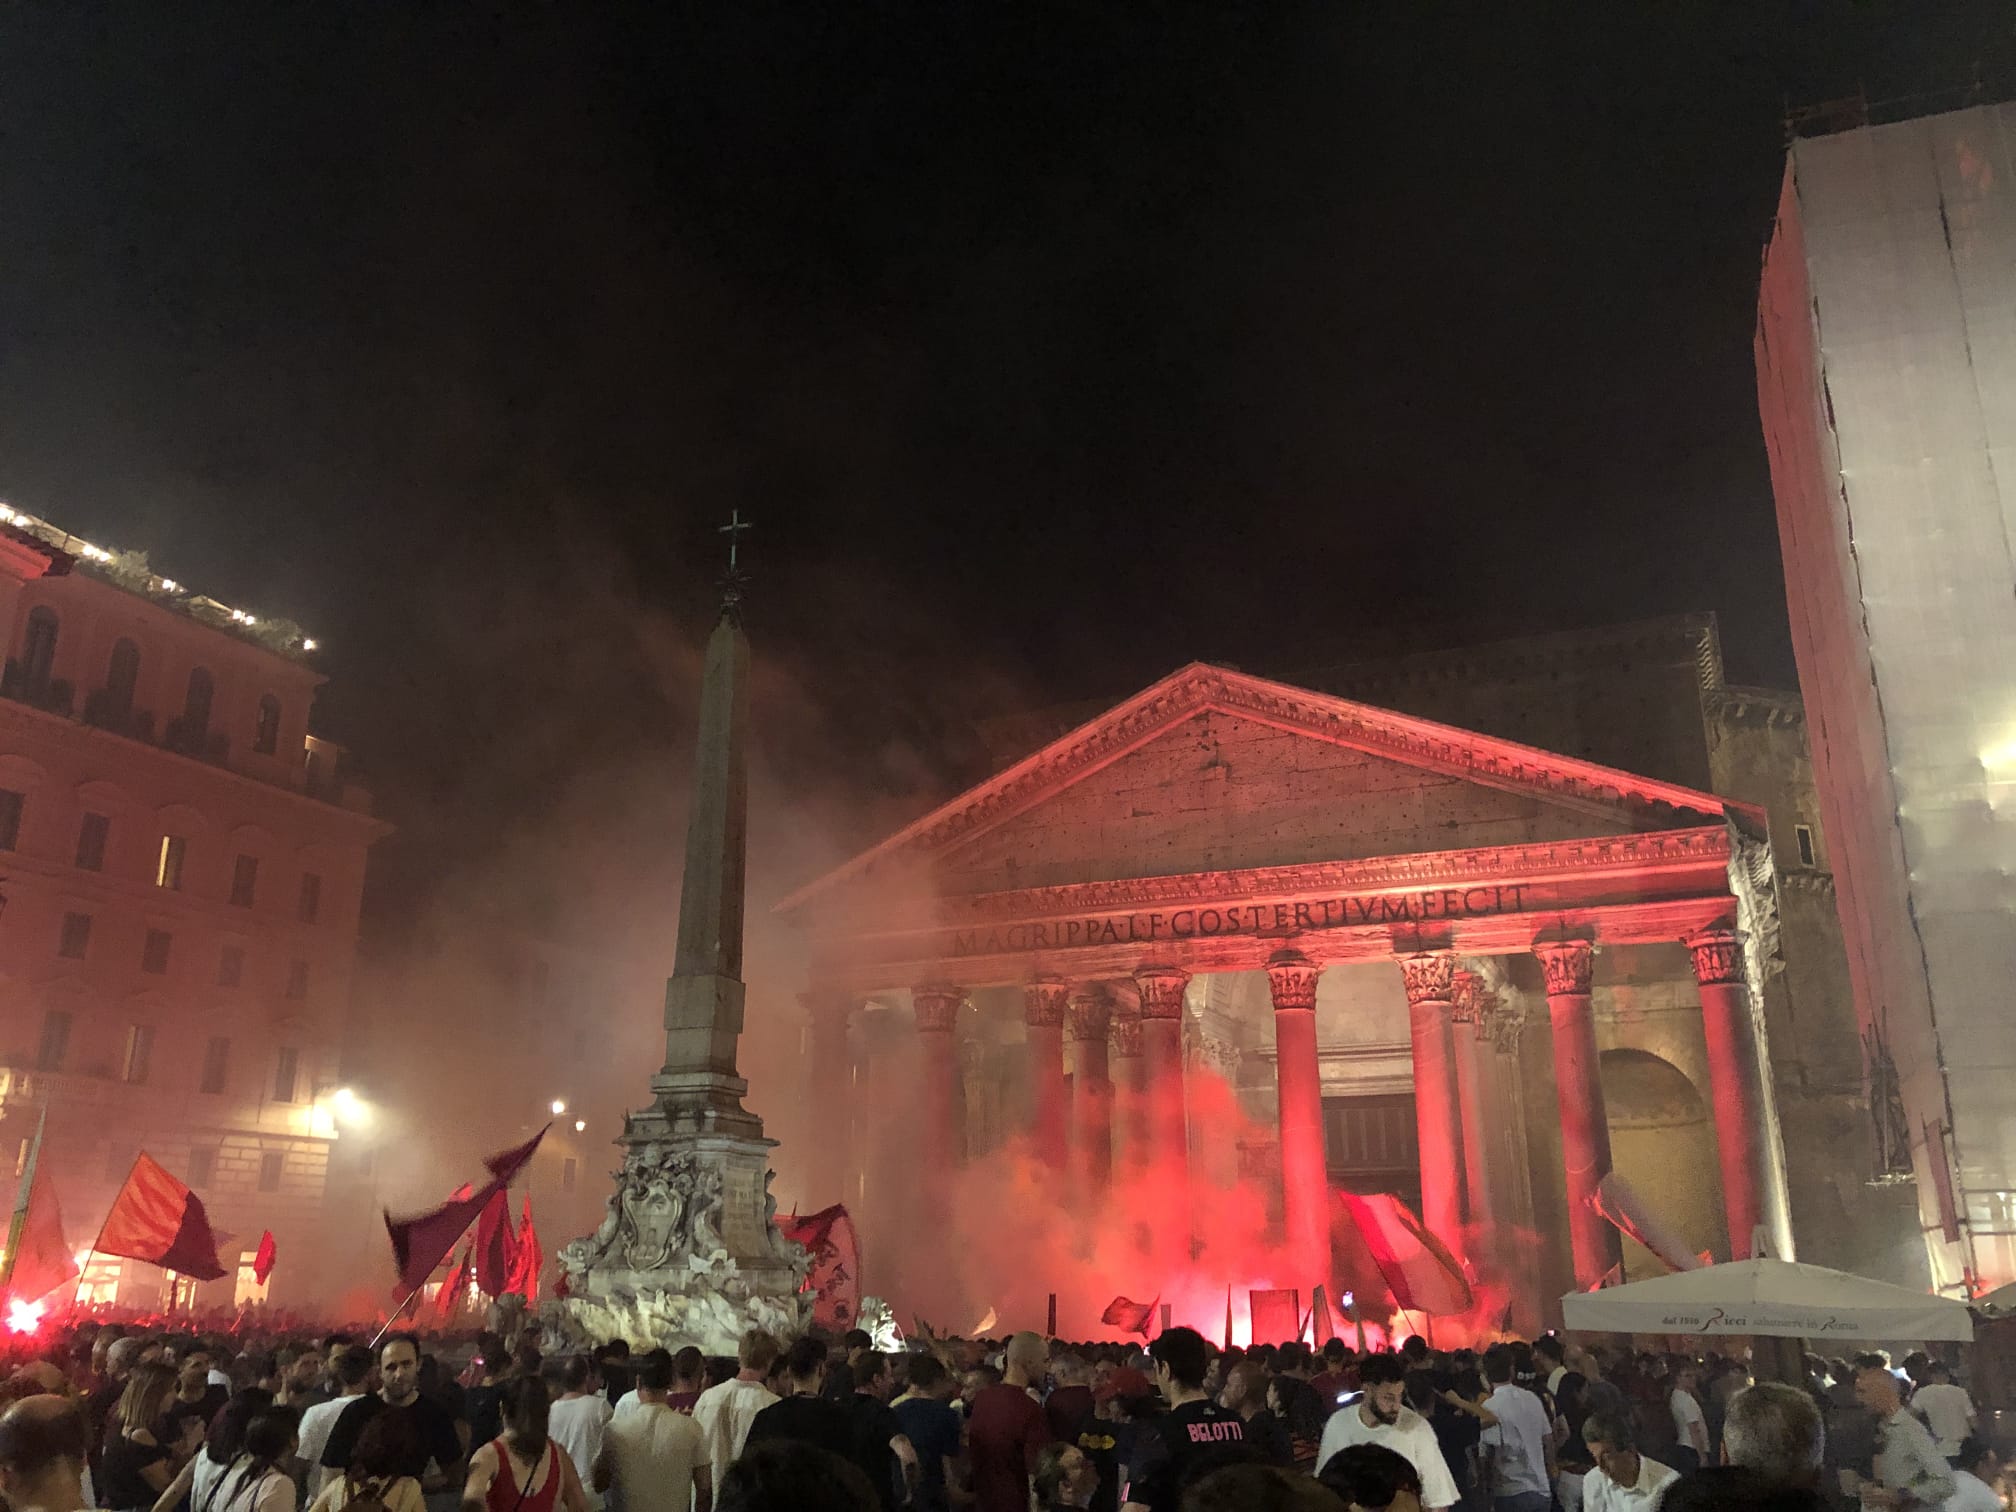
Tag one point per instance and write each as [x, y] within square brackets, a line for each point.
[158, 1219]
[40, 1261]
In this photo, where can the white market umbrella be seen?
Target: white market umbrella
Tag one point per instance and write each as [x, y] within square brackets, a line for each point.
[1774, 1298]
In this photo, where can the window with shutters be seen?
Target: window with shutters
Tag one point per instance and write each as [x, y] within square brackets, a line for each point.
[168, 864]
[92, 834]
[216, 1065]
[244, 881]
[75, 938]
[269, 1170]
[139, 1054]
[55, 1044]
[154, 953]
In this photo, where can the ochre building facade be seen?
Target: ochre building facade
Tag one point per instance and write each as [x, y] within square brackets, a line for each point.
[184, 865]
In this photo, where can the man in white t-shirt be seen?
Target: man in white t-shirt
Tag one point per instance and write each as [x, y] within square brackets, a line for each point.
[1382, 1417]
[578, 1416]
[1624, 1480]
[352, 1371]
[1946, 1408]
[654, 1459]
[1690, 1425]
[1519, 1441]
[1977, 1477]
[725, 1412]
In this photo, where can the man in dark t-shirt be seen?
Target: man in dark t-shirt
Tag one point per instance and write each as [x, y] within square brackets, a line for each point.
[1193, 1438]
[928, 1421]
[804, 1414]
[434, 1437]
[878, 1447]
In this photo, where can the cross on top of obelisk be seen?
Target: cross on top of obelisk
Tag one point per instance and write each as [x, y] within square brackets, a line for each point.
[733, 582]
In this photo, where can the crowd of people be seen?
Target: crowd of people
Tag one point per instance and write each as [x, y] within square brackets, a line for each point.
[135, 1419]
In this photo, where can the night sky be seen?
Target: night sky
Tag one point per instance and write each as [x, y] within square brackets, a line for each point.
[1049, 346]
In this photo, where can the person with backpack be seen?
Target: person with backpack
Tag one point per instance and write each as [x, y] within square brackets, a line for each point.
[374, 1480]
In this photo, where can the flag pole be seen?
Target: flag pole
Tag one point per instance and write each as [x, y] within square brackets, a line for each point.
[19, 1222]
[387, 1326]
[85, 1269]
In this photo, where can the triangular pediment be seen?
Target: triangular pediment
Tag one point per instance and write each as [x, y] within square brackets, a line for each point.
[1213, 770]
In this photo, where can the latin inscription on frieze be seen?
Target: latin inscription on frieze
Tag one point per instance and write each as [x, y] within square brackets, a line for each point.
[1207, 922]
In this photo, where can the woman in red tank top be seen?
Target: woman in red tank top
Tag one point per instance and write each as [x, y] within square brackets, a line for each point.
[522, 1470]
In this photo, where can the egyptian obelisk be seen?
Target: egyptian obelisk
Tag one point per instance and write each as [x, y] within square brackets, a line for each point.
[689, 1250]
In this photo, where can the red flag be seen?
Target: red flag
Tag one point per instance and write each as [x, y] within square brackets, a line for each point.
[531, 1258]
[42, 1261]
[1131, 1317]
[504, 1167]
[1277, 1315]
[496, 1243]
[1419, 1270]
[1319, 1311]
[262, 1260]
[835, 1278]
[456, 1287]
[158, 1219]
[420, 1243]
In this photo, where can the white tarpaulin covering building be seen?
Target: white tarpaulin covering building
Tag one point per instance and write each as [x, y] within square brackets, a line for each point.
[1886, 358]
[1774, 1298]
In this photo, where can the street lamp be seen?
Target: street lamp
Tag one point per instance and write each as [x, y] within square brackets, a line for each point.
[559, 1107]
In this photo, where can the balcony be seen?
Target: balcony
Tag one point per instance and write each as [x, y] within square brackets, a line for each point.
[52, 694]
[197, 740]
[103, 712]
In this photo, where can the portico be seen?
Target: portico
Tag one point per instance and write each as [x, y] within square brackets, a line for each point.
[1219, 824]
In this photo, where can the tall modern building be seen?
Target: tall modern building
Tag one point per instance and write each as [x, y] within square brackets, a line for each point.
[182, 864]
[1886, 363]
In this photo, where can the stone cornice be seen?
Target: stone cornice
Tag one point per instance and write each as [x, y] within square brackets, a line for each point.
[1199, 687]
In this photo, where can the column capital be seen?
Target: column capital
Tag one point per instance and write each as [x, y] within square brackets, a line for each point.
[1468, 997]
[1089, 1014]
[1043, 1003]
[1429, 975]
[1291, 976]
[937, 1007]
[825, 1004]
[1161, 991]
[1568, 964]
[1718, 954]
[1125, 1022]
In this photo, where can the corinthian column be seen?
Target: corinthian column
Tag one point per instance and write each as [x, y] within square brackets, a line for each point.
[1753, 1164]
[832, 1069]
[1163, 1117]
[1043, 1018]
[1091, 1088]
[1430, 977]
[1305, 1175]
[1130, 1078]
[937, 1010]
[1466, 1026]
[1585, 1125]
